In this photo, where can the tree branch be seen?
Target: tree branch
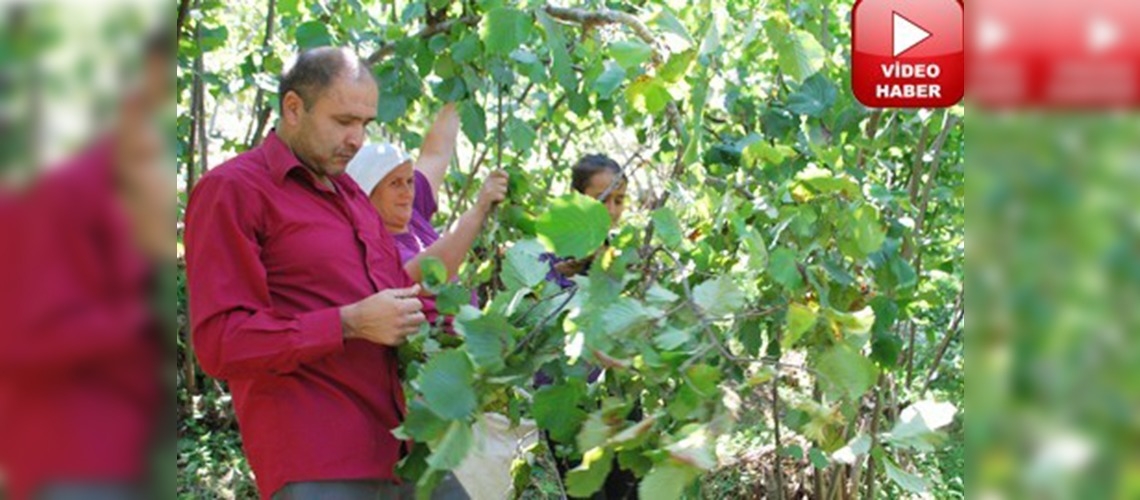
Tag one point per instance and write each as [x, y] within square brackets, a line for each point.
[955, 324]
[589, 18]
[428, 31]
[183, 15]
[261, 110]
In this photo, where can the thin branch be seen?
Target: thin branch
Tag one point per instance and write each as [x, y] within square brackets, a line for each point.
[924, 206]
[429, 31]
[776, 469]
[183, 15]
[541, 324]
[955, 327]
[602, 16]
[910, 353]
[874, 438]
[260, 108]
[872, 129]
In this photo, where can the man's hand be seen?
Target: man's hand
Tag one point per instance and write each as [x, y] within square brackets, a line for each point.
[494, 191]
[385, 318]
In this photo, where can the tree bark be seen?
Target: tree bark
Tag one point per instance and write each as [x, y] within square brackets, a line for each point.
[183, 15]
[262, 110]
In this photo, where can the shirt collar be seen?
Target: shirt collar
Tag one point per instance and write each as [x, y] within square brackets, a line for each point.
[282, 161]
[279, 157]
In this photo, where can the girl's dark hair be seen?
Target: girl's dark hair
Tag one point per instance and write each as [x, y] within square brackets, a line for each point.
[589, 165]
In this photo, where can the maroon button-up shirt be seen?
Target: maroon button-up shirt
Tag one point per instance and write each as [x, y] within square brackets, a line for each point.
[271, 255]
[80, 378]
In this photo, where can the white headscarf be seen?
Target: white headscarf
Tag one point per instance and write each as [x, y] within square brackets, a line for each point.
[373, 163]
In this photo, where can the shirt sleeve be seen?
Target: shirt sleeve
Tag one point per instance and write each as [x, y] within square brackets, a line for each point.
[424, 203]
[236, 331]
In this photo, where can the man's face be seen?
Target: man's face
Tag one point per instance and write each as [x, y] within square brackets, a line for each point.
[331, 131]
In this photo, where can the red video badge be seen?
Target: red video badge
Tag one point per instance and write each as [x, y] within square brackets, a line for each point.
[907, 53]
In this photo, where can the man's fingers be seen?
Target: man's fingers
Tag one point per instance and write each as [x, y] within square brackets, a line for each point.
[411, 291]
[413, 320]
[410, 305]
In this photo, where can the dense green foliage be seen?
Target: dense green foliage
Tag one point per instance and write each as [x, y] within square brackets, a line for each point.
[778, 312]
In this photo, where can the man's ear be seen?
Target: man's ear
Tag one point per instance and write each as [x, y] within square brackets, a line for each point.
[292, 107]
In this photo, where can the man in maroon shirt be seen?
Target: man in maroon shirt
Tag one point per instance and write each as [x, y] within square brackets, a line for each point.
[81, 391]
[297, 294]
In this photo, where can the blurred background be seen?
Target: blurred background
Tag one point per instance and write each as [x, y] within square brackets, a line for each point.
[88, 308]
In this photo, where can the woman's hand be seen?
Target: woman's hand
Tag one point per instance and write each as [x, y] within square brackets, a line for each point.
[494, 191]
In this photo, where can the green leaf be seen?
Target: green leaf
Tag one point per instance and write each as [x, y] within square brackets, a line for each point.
[521, 134]
[556, 410]
[670, 338]
[904, 479]
[428, 482]
[815, 96]
[573, 226]
[587, 478]
[450, 89]
[521, 267]
[648, 95]
[422, 424]
[466, 49]
[214, 38]
[630, 53]
[677, 66]
[450, 298]
[667, 480]
[846, 371]
[668, 22]
[623, 315]
[434, 273]
[823, 180]
[793, 451]
[854, 323]
[446, 384]
[719, 296]
[818, 459]
[667, 225]
[869, 235]
[453, 448]
[800, 54]
[473, 120]
[610, 79]
[594, 431]
[800, 319]
[312, 34]
[762, 151]
[757, 249]
[559, 55]
[489, 339]
[504, 29]
[783, 269]
[704, 379]
[696, 449]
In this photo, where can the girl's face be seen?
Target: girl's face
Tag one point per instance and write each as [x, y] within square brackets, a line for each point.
[393, 197]
[614, 201]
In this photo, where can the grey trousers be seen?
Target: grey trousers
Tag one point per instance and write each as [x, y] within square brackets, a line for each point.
[91, 491]
[448, 489]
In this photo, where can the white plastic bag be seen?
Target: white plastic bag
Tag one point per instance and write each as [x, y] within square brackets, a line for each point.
[486, 472]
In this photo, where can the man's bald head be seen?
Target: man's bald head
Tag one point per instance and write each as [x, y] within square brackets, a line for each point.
[317, 69]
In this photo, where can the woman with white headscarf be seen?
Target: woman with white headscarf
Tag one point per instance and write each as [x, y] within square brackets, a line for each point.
[404, 193]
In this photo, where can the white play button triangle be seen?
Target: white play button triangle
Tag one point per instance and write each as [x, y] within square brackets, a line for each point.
[906, 34]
